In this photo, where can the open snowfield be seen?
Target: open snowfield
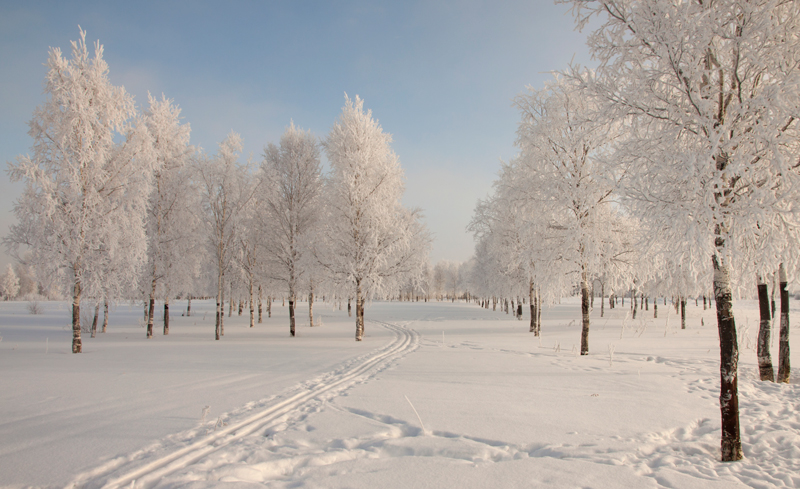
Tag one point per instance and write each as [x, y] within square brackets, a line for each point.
[438, 395]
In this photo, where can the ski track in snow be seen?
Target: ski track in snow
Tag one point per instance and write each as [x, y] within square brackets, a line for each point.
[282, 458]
[273, 445]
[152, 464]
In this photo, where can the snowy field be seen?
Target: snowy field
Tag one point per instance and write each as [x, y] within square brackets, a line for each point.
[438, 395]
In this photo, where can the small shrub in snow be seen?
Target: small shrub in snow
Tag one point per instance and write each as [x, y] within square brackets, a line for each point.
[34, 308]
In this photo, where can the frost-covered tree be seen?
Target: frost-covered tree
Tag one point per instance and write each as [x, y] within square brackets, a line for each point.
[560, 152]
[710, 93]
[170, 216]
[447, 273]
[85, 190]
[226, 189]
[9, 284]
[291, 207]
[370, 239]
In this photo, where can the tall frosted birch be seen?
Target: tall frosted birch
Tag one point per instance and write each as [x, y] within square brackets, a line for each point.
[370, 239]
[82, 211]
[709, 92]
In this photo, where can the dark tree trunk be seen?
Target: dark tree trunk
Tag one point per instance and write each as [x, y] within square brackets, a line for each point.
[584, 313]
[76, 317]
[731, 444]
[765, 370]
[151, 309]
[241, 307]
[359, 312]
[647, 303]
[291, 317]
[683, 312]
[533, 309]
[222, 312]
[634, 304]
[94, 321]
[655, 309]
[166, 316]
[784, 367]
[189, 306]
[105, 315]
[349, 308]
[259, 304]
[269, 306]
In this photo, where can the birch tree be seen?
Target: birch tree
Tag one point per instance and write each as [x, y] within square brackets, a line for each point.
[710, 92]
[226, 188]
[292, 206]
[170, 221]
[370, 239]
[561, 149]
[84, 199]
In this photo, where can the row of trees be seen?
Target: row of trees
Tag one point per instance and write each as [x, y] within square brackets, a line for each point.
[118, 205]
[671, 169]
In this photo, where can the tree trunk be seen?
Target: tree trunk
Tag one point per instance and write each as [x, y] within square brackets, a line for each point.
[765, 370]
[532, 303]
[602, 299]
[259, 304]
[683, 312]
[538, 312]
[784, 367]
[105, 315]
[76, 316]
[241, 307]
[189, 306]
[151, 309]
[94, 321]
[222, 315]
[359, 312]
[655, 309]
[219, 307]
[291, 316]
[269, 306]
[349, 308]
[230, 305]
[634, 303]
[252, 306]
[311, 305]
[731, 444]
[584, 312]
[166, 315]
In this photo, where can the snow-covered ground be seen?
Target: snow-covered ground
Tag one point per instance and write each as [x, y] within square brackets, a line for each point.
[438, 395]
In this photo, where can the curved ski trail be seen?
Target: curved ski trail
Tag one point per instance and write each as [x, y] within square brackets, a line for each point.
[137, 471]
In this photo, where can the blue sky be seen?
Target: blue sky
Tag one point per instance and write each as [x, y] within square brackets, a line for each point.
[439, 76]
